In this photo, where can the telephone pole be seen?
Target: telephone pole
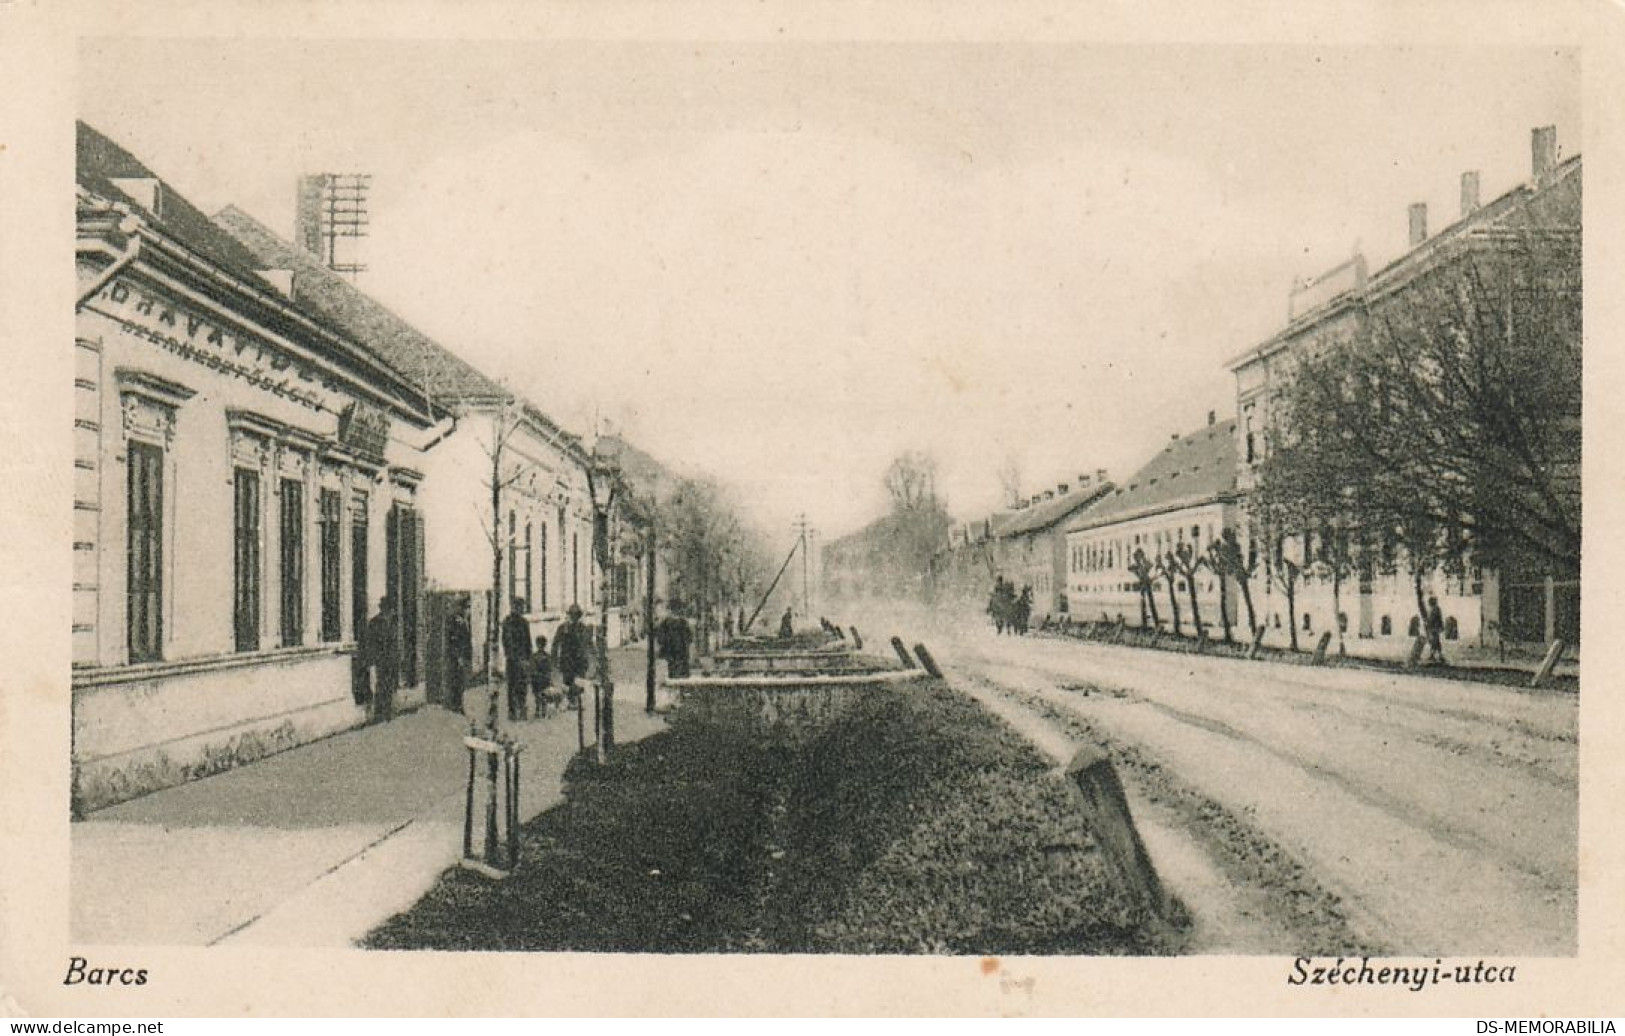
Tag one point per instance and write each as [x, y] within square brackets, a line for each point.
[804, 531]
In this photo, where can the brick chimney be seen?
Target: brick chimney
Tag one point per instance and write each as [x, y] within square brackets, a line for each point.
[1419, 223]
[1212, 418]
[1083, 480]
[1100, 474]
[1542, 152]
[1062, 487]
[1469, 193]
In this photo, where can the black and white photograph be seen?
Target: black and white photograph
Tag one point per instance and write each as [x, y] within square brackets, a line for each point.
[1011, 505]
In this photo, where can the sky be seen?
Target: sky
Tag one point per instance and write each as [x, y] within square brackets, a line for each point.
[785, 264]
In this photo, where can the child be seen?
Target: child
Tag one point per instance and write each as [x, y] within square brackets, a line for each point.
[541, 677]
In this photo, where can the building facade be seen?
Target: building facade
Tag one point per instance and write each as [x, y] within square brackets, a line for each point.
[1515, 601]
[247, 482]
[542, 549]
[1185, 495]
[1028, 545]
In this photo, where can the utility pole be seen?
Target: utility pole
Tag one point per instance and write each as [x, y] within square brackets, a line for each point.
[803, 529]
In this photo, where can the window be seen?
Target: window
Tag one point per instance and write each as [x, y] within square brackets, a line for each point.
[330, 514]
[528, 599]
[246, 562]
[575, 567]
[1387, 626]
[292, 545]
[541, 568]
[1452, 629]
[358, 565]
[145, 615]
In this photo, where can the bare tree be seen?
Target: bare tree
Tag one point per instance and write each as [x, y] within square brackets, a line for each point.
[1010, 479]
[918, 524]
[506, 469]
[1168, 571]
[1186, 562]
[1145, 575]
[1453, 411]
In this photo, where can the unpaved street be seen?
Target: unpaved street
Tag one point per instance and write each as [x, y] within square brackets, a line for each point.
[1426, 816]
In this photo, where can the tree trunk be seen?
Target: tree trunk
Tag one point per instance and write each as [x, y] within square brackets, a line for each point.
[1291, 589]
[1224, 606]
[1421, 602]
[1196, 609]
[1247, 599]
[1337, 609]
[493, 619]
[1173, 606]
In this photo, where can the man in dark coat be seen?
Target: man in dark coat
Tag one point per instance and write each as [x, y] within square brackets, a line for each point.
[572, 653]
[516, 650]
[382, 660]
[674, 640]
[787, 626]
[1435, 631]
[459, 655]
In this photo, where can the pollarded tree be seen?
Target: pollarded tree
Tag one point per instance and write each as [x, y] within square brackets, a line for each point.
[1168, 571]
[1145, 575]
[1187, 561]
[1228, 561]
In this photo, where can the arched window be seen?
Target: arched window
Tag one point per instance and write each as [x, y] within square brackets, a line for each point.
[1415, 627]
[1452, 629]
[1387, 626]
[1342, 622]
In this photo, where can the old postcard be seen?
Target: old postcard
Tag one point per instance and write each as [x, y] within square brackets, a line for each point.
[732, 509]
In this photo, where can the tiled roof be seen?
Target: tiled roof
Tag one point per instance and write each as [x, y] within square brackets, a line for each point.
[426, 364]
[1046, 513]
[1193, 469]
[99, 162]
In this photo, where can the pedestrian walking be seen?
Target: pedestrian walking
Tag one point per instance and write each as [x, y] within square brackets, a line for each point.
[787, 626]
[382, 658]
[516, 652]
[1435, 624]
[572, 654]
[459, 655]
[674, 641]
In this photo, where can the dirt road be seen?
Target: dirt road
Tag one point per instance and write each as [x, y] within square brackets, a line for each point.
[1347, 809]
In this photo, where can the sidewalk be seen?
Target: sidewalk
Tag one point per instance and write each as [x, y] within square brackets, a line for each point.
[317, 845]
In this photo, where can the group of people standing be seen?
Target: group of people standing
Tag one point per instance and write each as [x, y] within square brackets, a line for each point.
[532, 665]
[1011, 611]
[530, 669]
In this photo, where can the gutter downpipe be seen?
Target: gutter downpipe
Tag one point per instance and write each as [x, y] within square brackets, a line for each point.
[102, 279]
[432, 443]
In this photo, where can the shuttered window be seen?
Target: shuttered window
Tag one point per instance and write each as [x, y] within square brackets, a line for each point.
[292, 545]
[359, 590]
[246, 567]
[330, 507]
[144, 618]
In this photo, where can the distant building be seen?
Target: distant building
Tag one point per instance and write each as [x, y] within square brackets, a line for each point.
[246, 488]
[1186, 494]
[1029, 544]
